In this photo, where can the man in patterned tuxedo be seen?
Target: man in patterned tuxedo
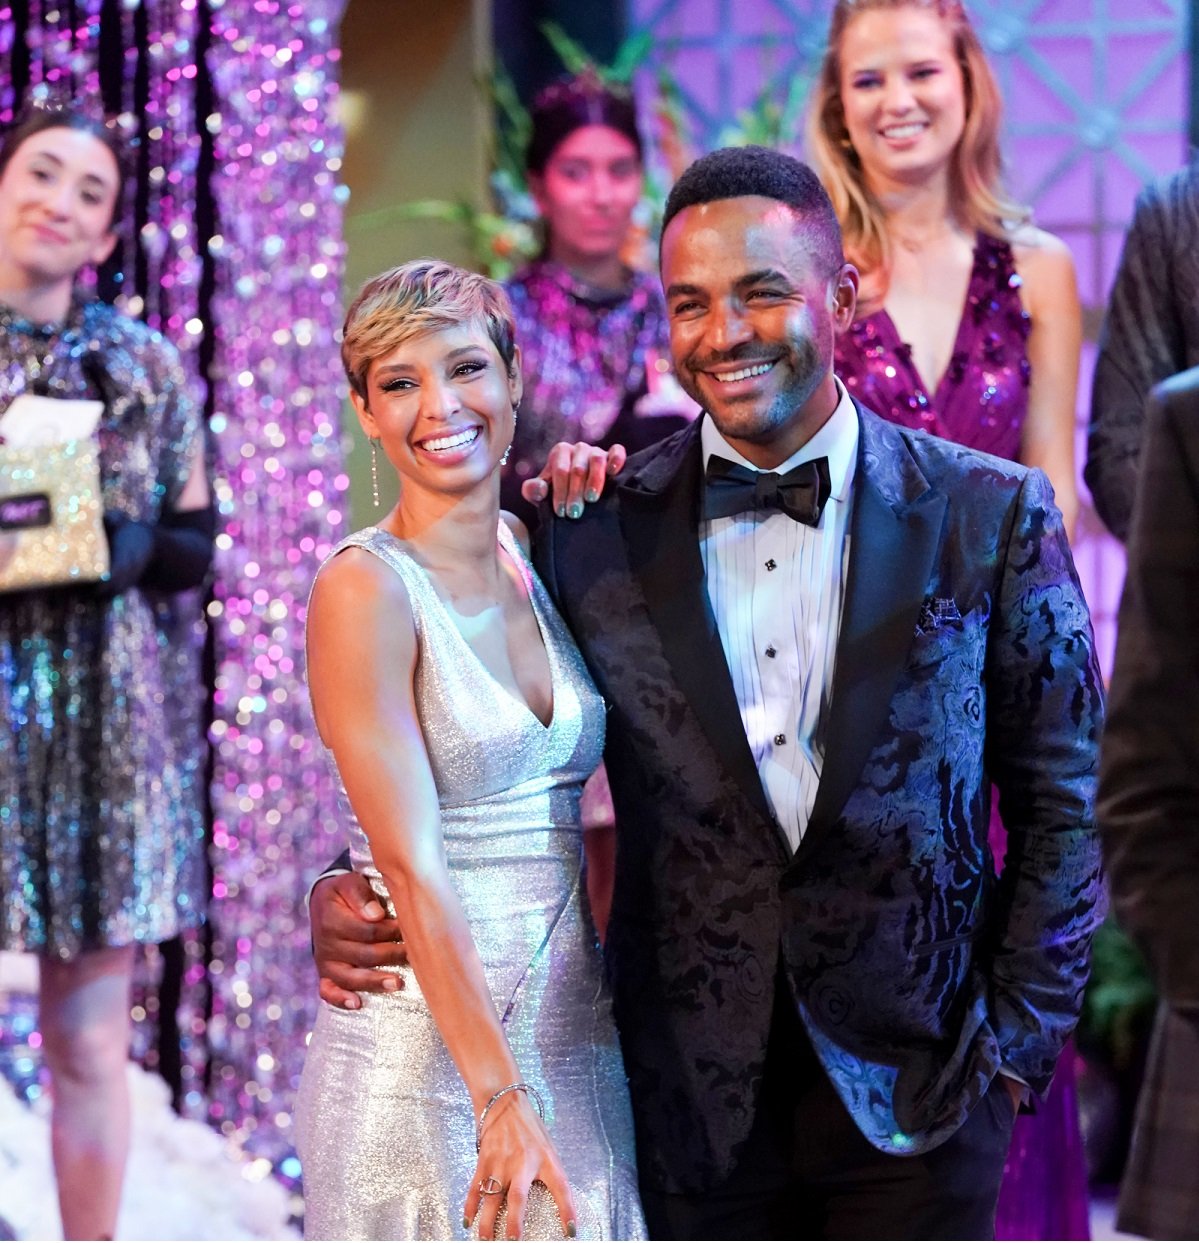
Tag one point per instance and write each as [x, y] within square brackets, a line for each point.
[822, 637]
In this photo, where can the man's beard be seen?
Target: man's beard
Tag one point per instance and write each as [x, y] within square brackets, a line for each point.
[806, 365]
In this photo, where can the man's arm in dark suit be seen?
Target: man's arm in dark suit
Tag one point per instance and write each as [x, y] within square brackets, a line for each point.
[1149, 789]
[1141, 343]
[1044, 715]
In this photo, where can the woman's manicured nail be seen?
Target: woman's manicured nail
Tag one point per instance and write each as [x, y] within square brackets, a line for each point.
[576, 509]
[592, 496]
[571, 1230]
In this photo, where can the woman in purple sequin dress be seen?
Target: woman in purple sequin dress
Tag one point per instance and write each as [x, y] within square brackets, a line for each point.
[968, 327]
[593, 331]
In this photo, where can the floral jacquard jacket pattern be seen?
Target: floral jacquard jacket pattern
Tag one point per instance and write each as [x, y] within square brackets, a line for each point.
[965, 657]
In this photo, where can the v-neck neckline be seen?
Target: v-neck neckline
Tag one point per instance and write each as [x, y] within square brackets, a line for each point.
[507, 545]
[961, 337]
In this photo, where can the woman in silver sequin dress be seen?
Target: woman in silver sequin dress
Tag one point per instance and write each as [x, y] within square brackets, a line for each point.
[462, 725]
[101, 836]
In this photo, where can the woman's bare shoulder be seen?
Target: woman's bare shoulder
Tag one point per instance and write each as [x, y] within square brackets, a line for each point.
[356, 582]
[518, 528]
[1046, 267]
[1037, 249]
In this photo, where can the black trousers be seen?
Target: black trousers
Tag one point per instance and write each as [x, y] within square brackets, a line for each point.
[807, 1172]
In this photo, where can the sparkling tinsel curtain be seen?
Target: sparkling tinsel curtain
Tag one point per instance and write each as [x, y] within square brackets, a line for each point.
[232, 248]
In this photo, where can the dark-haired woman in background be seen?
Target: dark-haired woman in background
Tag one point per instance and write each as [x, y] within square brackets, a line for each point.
[968, 327]
[593, 330]
[101, 839]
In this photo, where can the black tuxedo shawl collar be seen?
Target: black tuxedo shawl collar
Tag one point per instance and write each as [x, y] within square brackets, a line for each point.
[659, 515]
[895, 531]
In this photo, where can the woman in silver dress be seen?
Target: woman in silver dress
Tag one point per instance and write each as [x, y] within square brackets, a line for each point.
[462, 725]
[101, 834]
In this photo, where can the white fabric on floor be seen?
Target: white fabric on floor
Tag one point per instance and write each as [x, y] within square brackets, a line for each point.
[183, 1180]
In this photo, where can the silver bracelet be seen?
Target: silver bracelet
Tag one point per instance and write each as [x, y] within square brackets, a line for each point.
[527, 1088]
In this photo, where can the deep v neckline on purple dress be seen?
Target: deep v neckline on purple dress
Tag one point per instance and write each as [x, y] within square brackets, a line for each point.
[982, 398]
[961, 342]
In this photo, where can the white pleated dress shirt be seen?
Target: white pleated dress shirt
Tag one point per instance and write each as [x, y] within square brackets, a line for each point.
[776, 587]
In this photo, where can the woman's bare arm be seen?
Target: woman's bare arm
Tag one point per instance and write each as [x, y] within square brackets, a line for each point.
[362, 652]
[1050, 292]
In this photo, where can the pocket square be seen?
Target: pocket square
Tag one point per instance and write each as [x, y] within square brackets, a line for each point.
[937, 612]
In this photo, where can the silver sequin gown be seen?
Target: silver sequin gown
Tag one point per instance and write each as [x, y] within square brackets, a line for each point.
[101, 742]
[384, 1122]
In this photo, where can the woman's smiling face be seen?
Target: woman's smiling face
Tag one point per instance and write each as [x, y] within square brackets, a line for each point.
[58, 193]
[442, 405]
[587, 193]
[902, 93]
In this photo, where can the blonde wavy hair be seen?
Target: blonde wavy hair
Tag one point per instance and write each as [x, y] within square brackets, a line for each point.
[977, 199]
[422, 296]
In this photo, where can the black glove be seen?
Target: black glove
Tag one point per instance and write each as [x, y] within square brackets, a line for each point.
[182, 550]
[172, 556]
[130, 548]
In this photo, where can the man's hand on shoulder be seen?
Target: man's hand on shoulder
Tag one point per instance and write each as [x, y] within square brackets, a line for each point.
[573, 475]
[351, 938]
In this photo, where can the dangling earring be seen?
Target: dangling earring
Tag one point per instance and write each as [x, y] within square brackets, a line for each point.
[374, 470]
[508, 450]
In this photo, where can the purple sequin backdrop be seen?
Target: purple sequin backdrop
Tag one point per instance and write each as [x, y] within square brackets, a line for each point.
[278, 402]
[280, 486]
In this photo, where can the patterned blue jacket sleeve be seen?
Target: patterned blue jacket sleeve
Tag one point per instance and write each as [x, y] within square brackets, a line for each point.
[1044, 720]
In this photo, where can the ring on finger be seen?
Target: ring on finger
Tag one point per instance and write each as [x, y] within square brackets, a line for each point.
[490, 1187]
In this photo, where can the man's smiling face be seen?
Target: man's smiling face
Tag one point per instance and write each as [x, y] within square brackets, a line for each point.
[753, 315]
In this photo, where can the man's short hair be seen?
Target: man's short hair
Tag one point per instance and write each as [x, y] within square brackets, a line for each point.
[739, 172]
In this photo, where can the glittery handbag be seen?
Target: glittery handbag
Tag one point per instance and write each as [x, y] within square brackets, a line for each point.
[542, 1220]
[51, 516]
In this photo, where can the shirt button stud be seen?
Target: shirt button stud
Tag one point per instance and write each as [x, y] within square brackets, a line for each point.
[772, 564]
[771, 652]
[780, 740]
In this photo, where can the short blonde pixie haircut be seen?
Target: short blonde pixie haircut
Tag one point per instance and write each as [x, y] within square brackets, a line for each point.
[977, 197]
[425, 295]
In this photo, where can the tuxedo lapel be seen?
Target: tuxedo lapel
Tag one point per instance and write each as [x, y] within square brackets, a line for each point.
[895, 532]
[659, 515]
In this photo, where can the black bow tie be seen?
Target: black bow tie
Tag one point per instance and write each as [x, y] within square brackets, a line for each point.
[800, 493]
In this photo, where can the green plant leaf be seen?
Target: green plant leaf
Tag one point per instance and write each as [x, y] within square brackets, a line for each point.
[513, 125]
[572, 54]
[450, 211]
[630, 55]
